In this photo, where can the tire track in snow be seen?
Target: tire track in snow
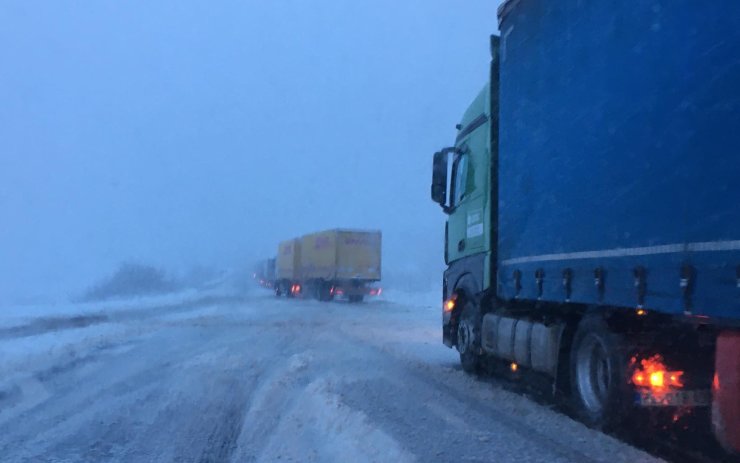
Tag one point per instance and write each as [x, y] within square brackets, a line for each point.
[275, 392]
[322, 427]
[471, 409]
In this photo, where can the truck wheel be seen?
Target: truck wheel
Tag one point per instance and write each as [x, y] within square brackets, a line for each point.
[289, 290]
[278, 290]
[598, 366]
[468, 338]
[324, 291]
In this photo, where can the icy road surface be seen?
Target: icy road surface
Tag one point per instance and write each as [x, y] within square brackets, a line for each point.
[259, 379]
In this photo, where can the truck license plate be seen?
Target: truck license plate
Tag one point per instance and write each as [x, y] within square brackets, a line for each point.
[674, 399]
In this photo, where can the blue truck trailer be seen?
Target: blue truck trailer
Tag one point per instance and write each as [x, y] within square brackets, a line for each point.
[593, 201]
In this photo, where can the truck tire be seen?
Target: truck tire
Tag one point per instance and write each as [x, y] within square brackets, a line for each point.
[278, 290]
[598, 374]
[468, 337]
[323, 291]
[289, 289]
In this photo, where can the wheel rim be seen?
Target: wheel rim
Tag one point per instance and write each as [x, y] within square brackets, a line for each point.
[465, 336]
[592, 374]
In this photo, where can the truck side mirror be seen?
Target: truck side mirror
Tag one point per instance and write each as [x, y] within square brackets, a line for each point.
[439, 178]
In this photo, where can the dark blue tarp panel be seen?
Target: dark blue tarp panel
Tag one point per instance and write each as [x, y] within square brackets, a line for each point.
[620, 148]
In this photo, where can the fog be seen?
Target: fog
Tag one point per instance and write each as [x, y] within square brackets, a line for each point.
[199, 134]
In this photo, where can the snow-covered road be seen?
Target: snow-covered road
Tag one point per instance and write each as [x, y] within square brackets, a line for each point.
[259, 379]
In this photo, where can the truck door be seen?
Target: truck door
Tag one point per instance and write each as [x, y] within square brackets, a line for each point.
[466, 227]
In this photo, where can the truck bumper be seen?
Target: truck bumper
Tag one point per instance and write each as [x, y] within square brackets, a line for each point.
[353, 290]
[726, 391]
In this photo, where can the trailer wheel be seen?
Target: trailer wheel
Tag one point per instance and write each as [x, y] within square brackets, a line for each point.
[289, 290]
[598, 365]
[468, 338]
[323, 291]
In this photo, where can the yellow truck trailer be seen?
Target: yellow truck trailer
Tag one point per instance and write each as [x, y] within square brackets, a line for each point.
[336, 262]
[287, 267]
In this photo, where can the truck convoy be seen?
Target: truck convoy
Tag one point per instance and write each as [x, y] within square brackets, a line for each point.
[592, 193]
[329, 264]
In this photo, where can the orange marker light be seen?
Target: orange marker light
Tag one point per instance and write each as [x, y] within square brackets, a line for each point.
[641, 312]
[657, 379]
[514, 367]
[674, 378]
[652, 374]
[450, 304]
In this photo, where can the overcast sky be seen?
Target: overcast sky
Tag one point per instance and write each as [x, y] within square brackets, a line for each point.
[201, 133]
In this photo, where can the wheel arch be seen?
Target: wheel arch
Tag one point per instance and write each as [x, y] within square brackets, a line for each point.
[465, 288]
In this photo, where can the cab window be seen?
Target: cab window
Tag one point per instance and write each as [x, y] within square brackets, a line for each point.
[460, 177]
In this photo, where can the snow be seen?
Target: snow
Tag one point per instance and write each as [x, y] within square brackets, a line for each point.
[255, 378]
[321, 412]
[20, 314]
[45, 336]
[419, 299]
[54, 343]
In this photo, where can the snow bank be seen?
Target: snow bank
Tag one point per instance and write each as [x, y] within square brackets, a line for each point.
[431, 299]
[23, 314]
[39, 337]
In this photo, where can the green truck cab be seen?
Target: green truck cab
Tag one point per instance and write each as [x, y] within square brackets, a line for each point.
[462, 183]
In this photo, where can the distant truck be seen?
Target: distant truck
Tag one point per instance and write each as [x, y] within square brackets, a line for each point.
[329, 264]
[593, 231]
[264, 272]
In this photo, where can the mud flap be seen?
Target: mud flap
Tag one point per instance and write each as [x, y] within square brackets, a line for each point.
[726, 391]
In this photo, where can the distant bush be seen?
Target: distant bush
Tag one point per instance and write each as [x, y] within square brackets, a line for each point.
[129, 280]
